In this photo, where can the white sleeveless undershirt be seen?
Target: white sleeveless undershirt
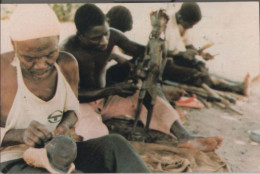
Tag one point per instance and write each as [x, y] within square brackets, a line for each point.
[174, 40]
[28, 107]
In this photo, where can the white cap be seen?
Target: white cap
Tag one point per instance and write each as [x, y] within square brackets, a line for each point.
[31, 21]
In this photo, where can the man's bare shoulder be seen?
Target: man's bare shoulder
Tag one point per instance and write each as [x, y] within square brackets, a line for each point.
[7, 69]
[67, 61]
[116, 31]
[6, 59]
[69, 43]
[8, 84]
[116, 34]
[69, 68]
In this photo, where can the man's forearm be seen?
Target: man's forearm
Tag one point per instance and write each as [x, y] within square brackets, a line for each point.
[172, 53]
[190, 46]
[13, 137]
[120, 59]
[69, 119]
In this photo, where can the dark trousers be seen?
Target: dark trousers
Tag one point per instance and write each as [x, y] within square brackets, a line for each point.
[172, 71]
[186, 75]
[107, 154]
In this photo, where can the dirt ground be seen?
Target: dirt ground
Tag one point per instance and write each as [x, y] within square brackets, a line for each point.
[237, 150]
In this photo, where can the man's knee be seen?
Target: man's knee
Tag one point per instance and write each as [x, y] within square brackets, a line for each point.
[19, 166]
[115, 139]
[117, 145]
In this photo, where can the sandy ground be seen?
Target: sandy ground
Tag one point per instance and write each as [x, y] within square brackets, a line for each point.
[237, 150]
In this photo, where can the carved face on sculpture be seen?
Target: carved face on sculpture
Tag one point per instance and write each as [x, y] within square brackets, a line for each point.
[159, 20]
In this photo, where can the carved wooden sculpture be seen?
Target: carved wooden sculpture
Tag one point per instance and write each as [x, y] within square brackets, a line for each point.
[149, 70]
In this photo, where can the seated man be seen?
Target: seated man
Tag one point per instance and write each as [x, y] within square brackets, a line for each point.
[92, 46]
[185, 68]
[39, 87]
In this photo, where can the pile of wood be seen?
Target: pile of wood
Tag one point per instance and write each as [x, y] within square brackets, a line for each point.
[208, 96]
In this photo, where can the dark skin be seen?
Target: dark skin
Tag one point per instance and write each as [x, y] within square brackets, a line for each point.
[92, 50]
[37, 58]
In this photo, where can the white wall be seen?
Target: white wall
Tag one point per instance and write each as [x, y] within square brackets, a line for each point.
[232, 26]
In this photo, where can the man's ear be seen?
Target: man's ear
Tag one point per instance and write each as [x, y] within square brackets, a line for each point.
[179, 18]
[80, 36]
[108, 20]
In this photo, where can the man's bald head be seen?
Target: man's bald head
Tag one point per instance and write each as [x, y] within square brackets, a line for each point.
[88, 16]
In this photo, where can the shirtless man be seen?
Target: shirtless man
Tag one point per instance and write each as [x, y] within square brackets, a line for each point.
[92, 46]
[39, 88]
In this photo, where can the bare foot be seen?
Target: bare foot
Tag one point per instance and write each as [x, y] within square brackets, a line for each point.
[246, 84]
[203, 144]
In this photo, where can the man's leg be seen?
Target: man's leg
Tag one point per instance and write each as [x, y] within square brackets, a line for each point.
[110, 153]
[232, 86]
[185, 75]
[164, 119]
[192, 76]
[189, 140]
[19, 166]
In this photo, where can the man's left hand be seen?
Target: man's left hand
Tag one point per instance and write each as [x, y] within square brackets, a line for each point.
[207, 56]
[62, 129]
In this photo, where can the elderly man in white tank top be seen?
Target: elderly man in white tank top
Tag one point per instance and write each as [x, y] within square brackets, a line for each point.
[39, 88]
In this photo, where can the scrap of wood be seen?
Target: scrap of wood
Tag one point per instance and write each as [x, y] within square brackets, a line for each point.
[210, 91]
[205, 102]
[223, 106]
[230, 94]
[223, 101]
[193, 90]
[220, 98]
[206, 46]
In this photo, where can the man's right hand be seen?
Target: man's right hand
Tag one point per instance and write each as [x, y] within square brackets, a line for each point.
[125, 89]
[189, 54]
[36, 134]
